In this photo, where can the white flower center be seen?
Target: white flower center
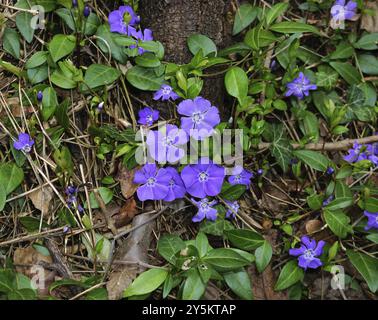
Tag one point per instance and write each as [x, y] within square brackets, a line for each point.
[197, 117]
[309, 254]
[151, 182]
[166, 91]
[203, 177]
[27, 148]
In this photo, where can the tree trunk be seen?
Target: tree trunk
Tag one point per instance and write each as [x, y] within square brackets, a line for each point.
[173, 21]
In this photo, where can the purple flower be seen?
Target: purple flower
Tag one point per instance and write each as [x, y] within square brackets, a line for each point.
[122, 19]
[330, 171]
[148, 116]
[361, 152]
[200, 117]
[165, 145]
[233, 208]
[372, 220]
[154, 182]
[39, 96]
[300, 87]
[308, 253]
[327, 201]
[100, 106]
[240, 176]
[165, 93]
[140, 36]
[205, 210]
[87, 11]
[74, 3]
[71, 192]
[203, 179]
[24, 143]
[341, 12]
[260, 172]
[176, 189]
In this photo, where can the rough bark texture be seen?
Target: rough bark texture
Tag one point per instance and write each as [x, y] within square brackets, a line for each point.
[173, 21]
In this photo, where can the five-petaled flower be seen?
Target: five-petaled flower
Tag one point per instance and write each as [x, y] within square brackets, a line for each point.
[232, 209]
[154, 182]
[205, 210]
[200, 117]
[148, 116]
[203, 179]
[300, 87]
[140, 36]
[341, 11]
[240, 176]
[176, 188]
[123, 19]
[166, 144]
[308, 253]
[361, 152]
[165, 93]
[372, 220]
[24, 143]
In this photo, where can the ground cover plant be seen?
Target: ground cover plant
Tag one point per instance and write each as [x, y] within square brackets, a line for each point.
[205, 150]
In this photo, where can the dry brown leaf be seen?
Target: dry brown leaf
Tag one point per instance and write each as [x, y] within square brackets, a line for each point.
[28, 261]
[15, 108]
[370, 22]
[313, 226]
[41, 199]
[134, 248]
[126, 214]
[125, 178]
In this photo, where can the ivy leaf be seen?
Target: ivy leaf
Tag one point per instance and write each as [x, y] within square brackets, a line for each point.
[61, 45]
[281, 148]
[338, 222]
[169, 245]
[326, 77]
[217, 227]
[366, 266]
[290, 274]
[146, 282]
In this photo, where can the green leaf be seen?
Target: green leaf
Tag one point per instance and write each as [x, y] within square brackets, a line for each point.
[225, 259]
[240, 283]
[343, 51]
[245, 239]
[349, 73]
[49, 103]
[289, 275]
[24, 21]
[368, 42]
[340, 203]
[147, 60]
[293, 27]
[98, 75]
[202, 244]
[326, 77]
[236, 82]
[48, 5]
[97, 294]
[144, 78]
[37, 59]
[342, 190]
[38, 74]
[217, 227]
[11, 177]
[252, 38]
[371, 204]
[366, 266]
[61, 45]
[313, 159]
[22, 294]
[146, 282]
[194, 287]
[11, 42]
[245, 15]
[169, 245]
[274, 12]
[338, 222]
[263, 255]
[67, 17]
[91, 24]
[281, 147]
[6, 280]
[373, 237]
[197, 42]
[106, 195]
[106, 41]
[368, 64]
[3, 197]
[233, 192]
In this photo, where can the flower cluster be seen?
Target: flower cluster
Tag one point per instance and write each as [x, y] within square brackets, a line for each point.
[71, 192]
[126, 21]
[361, 152]
[308, 253]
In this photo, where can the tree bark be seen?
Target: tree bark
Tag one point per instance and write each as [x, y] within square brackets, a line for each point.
[173, 21]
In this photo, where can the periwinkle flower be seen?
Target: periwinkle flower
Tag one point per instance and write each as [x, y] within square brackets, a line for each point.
[39, 96]
[148, 116]
[240, 176]
[123, 19]
[300, 87]
[74, 3]
[203, 179]
[205, 210]
[232, 209]
[330, 171]
[24, 143]
[154, 182]
[71, 192]
[308, 253]
[176, 188]
[87, 11]
[372, 220]
[100, 106]
[200, 117]
[260, 172]
[361, 152]
[341, 11]
[166, 144]
[327, 201]
[140, 36]
[165, 93]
